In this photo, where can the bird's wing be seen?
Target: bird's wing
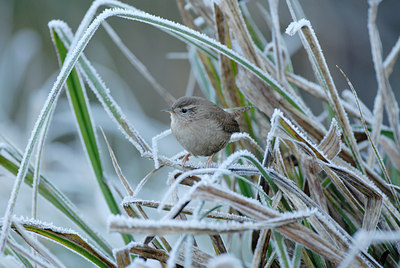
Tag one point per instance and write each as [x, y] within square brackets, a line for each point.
[221, 118]
[231, 126]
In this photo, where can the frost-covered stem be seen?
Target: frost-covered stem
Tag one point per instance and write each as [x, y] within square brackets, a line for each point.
[173, 255]
[117, 168]
[177, 181]
[188, 251]
[276, 33]
[308, 86]
[112, 108]
[143, 181]
[319, 60]
[89, 15]
[376, 126]
[281, 250]
[374, 148]
[258, 253]
[36, 174]
[138, 64]
[376, 49]
[362, 240]
[295, 10]
[102, 92]
[384, 88]
[317, 91]
[271, 259]
[245, 136]
[154, 145]
[232, 12]
[391, 58]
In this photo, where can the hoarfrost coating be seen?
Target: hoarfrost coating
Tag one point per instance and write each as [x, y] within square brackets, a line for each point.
[102, 92]
[154, 142]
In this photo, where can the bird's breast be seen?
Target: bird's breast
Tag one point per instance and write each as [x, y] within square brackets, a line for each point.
[201, 137]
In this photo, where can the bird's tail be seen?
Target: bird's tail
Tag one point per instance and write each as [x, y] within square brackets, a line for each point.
[241, 110]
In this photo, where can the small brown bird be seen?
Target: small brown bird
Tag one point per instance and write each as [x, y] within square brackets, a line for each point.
[202, 127]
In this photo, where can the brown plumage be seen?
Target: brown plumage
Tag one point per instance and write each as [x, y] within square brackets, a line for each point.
[202, 127]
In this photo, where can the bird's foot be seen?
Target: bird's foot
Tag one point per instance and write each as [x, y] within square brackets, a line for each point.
[209, 161]
[186, 158]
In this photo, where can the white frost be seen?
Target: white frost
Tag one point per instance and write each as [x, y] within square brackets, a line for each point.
[224, 261]
[245, 136]
[140, 263]
[294, 26]
[227, 162]
[154, 143]
[199, 21]
[362, 240]
[43, 225]
[275, 125]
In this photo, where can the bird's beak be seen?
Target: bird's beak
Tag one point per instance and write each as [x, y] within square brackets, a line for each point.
[168, 110]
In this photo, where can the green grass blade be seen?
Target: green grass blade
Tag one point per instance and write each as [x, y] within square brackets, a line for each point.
[187, 35]
[296, 261]
[102, 92]
[201, 41]
[283, 256]
[78, 100]
[71, 241]
[59, 200]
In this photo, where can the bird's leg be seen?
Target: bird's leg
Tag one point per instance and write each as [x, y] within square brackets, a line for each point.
[186, 158]
[209, 160]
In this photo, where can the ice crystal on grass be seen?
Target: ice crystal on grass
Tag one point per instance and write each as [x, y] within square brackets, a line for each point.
[43, 225]
[174, 182]
[245, 136]
[174, 253]
[172, 188]
[227, 162]
[102, 92]
[89, 15]
[125, 247]
[296, 26]
[140, 263]
[286, 129]
[224, 260]
[167, 226]
[154, 142]
[362, 239]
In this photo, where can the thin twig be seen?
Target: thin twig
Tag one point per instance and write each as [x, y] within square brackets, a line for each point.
[384, 88]
[116, 166]
[379, 158]
[391, 58]
[168, 98]
[315, 51]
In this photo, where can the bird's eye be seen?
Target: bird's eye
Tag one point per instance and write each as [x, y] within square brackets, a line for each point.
[184, 110]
